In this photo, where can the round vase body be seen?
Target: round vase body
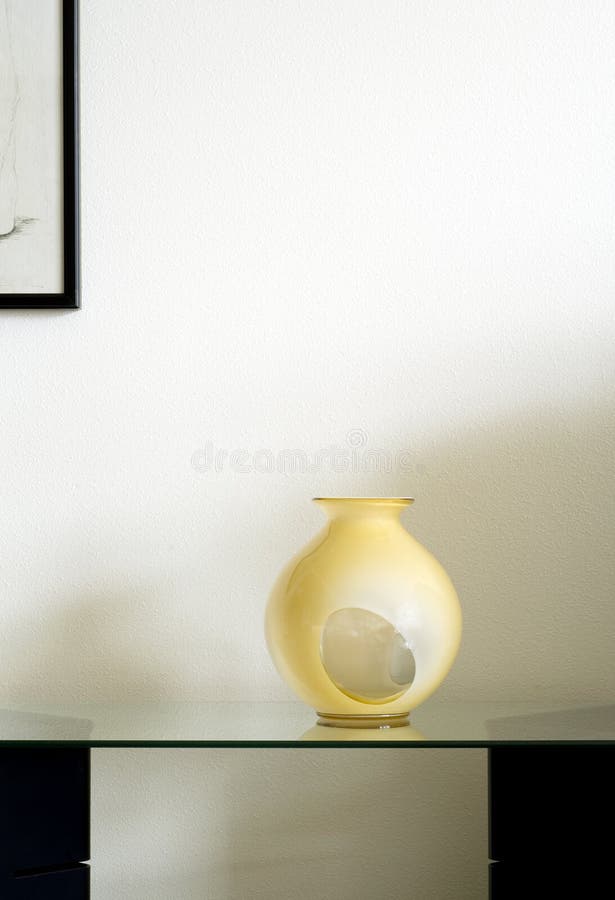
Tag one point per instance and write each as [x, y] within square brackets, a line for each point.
[364, 623]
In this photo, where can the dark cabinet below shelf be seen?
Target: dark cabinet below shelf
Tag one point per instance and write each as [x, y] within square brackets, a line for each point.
[45, 801]
[61, 884]
[44, 823]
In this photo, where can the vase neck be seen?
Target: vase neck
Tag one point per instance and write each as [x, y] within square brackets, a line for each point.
[363, 507]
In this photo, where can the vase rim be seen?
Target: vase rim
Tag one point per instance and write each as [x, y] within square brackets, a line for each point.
[400, 501]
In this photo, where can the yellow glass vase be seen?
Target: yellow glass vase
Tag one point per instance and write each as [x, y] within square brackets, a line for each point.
[364, 623]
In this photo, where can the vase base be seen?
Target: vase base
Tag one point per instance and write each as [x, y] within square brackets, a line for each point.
[335, 720]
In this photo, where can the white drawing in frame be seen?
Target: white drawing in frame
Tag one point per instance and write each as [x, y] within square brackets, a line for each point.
[31, 153]
[9, 100]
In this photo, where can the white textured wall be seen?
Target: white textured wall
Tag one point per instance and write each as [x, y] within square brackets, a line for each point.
[302, 218]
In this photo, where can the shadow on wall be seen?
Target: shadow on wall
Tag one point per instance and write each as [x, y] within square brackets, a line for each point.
[282, 824]
[350, 825]
[91, 649]
[520, 512]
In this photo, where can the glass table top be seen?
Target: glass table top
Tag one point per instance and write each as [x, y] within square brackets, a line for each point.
[254, 724]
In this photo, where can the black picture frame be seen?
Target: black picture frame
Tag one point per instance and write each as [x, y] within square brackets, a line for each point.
[70, 296]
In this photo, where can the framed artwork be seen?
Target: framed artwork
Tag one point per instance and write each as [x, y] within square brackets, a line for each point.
[39, 182]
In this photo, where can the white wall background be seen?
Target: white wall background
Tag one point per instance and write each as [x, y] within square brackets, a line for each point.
[301, 218]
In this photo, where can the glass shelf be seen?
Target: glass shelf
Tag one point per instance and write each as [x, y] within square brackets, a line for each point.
[235, 724]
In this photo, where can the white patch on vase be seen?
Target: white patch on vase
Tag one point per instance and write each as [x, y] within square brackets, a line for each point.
[365, 656]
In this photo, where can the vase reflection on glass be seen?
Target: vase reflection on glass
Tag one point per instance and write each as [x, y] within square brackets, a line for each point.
[364, 623]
